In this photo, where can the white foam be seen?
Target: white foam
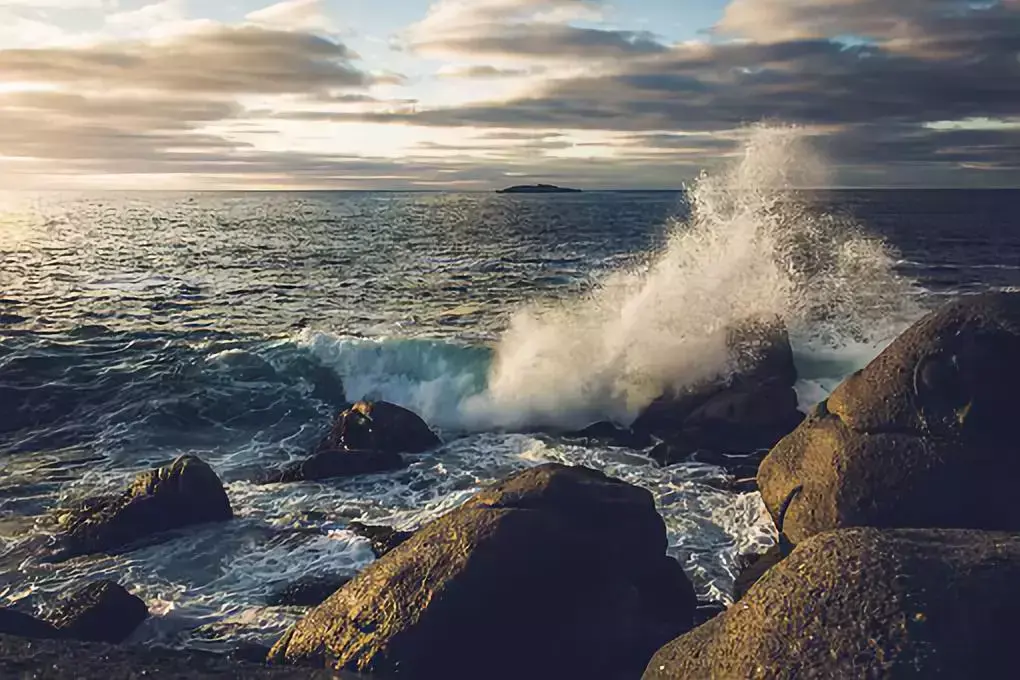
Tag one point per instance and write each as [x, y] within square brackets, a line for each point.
[749, 250]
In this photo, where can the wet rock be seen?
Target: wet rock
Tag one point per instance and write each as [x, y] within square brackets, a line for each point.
[752, 408]
[307, 591]
[182, 494]
[755, 566]
[922, 437]
[99, 612]
[609, 434]
[336, 463]
[556, 572]
[383, 538]
[23, 625]
[866, 603]
[381, 427]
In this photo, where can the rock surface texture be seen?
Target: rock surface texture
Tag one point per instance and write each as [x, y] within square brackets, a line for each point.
[751, 408]
[922, 437]
[556, 572]
[866, 603]
[182, 494]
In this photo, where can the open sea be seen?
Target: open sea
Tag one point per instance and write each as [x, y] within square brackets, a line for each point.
[136, 327]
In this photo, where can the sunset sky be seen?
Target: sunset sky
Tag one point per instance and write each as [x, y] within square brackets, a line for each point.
[477, 94]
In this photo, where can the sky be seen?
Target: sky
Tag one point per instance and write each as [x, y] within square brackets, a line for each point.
[480, 94]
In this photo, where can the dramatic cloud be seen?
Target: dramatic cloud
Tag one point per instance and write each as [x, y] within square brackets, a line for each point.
[220, 60]
[914, 91]
[524, 29]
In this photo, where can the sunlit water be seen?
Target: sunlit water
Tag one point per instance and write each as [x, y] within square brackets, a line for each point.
[137, 327]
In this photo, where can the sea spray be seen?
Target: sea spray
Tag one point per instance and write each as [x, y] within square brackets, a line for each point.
[751, 248]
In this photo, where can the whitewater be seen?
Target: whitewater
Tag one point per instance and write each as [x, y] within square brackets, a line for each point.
[500, 352]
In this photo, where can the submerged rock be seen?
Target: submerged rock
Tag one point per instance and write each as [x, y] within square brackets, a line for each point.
[307, 591]
[557, 572]
[751, 408]
[181, 494]
[383, 538]
[381, 427]
[24, 625]
[922, 437]
[335, 463]
[608, 434]
[866, 603]
[99, 612]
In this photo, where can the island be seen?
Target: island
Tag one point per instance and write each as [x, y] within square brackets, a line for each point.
[537, 189]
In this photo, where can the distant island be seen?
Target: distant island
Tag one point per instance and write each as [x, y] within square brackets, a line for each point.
[537, 189]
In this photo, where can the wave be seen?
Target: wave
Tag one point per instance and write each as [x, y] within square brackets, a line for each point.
[752, 248]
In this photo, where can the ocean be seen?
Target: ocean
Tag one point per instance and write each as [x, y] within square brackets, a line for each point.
[135, 327]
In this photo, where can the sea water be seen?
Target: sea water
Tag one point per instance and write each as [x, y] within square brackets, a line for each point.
[137, 327]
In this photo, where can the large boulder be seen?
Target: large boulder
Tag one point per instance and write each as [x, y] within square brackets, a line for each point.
[866, 603]
[181, 494]
[379, 426]
[922, 437]
[750, 406]
[557, 572]
[101, 611]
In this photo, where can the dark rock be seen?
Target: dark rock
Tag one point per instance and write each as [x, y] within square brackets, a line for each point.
[866, 603]
[73, 660]
[707, 611]
[537, 189]
[307, 591]
[384, 539]
[741, 465]
[382, 427]
[751, 408]
[922, 437]
[608, 434]
[333, 463]
[184, 493]
[755, 566]
[557, 572]
[99, 612]
[22, 625]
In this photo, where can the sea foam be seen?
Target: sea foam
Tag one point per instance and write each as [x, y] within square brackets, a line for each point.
[752, 247]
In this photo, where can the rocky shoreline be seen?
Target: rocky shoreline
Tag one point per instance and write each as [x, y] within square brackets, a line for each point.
[891, 501]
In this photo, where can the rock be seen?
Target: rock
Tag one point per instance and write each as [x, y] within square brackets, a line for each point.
[922, 437]
[334, 463]
[99, 612]
[22, 625]
[866, 603]
[382, 427]
[184, 493]
[755, 567]
[21, 659]
[609, 434]
[307, 591]
[384, 539]
[707, 611]
[556, 572]
[750, 409]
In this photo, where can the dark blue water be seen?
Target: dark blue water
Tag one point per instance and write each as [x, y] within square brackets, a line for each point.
[136, 327]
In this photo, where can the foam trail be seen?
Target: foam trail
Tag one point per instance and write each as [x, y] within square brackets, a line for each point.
[750, 249]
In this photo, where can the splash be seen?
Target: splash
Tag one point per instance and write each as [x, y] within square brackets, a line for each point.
[751, 248]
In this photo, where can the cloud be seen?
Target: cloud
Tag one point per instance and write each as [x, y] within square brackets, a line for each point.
[294, 15]
[219, 60]
[524, 29]
[479, 72]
